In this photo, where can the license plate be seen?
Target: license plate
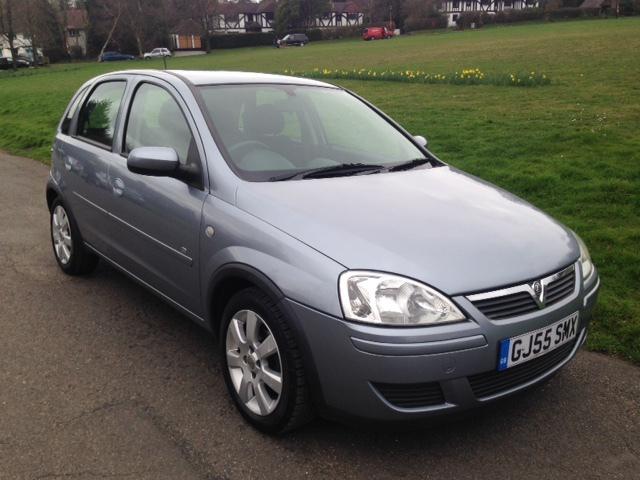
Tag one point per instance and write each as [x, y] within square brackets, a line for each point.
[525, 347]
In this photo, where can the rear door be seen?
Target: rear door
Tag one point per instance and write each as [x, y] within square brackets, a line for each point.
[158, 218]
[84, 149]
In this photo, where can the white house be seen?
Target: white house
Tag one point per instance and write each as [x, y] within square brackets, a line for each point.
[21, 43]
[243, 16]
[76, 30]
[453, 8]
[342, 14]
[246, 16]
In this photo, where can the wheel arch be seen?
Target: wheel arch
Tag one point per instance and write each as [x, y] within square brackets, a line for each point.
[230, 279]
[51, 194]
[233, 277]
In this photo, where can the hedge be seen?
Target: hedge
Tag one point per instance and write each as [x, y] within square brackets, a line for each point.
[512, 16]
[317, 34]
[237, 40]
[425, 23]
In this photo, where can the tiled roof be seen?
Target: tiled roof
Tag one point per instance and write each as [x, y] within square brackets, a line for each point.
[77, 18]
[187, 27]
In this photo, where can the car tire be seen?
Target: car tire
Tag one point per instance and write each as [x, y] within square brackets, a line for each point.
[250, 374]
[69, 250]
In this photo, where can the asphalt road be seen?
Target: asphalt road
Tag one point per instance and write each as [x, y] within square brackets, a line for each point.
[98, 378]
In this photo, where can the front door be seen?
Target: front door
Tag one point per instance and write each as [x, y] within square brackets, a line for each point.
[157, 219]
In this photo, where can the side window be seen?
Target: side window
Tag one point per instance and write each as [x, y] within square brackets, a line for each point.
[66, 122]
[97, 119]
[155, 120]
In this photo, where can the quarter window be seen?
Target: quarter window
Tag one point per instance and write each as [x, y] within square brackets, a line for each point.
[98, 115]
[66, 123]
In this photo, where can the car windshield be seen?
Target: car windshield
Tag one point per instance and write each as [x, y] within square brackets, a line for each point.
[275, 131]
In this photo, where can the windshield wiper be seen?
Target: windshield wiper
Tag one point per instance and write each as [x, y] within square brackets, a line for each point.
[416, 162]
[343, 169]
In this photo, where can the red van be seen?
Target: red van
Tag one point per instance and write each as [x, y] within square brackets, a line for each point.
[376, 33]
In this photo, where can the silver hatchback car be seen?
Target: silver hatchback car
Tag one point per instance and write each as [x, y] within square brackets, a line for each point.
[343, 268]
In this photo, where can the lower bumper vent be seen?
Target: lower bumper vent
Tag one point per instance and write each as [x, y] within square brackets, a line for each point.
[490, 383]
[411, 395]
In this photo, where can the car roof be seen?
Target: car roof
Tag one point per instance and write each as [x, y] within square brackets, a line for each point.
[224, 77]
[218, 77]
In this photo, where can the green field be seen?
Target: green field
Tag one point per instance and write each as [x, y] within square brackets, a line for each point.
[571, 148]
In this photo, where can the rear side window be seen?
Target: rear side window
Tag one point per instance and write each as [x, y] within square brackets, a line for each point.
[66, 122]
[98, 115]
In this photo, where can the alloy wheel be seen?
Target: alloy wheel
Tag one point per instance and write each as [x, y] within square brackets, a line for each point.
[61, 231]
[254, 362]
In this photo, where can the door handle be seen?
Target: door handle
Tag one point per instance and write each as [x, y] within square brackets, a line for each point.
[118, 187]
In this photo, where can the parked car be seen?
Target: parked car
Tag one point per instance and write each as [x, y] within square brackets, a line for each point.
[344, 270]
[376, 33]
[157, 53]
[299, 39]
[115, 56]
[6, 63]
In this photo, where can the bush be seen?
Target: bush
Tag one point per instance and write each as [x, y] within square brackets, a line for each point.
[55, 54]
[564, 13]
[317, 34]
[630, 7]
[75, 52]
[567, 13]
[425, 23]
[237, 40]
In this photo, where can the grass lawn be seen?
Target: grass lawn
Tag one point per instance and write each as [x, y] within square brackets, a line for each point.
[571, 148]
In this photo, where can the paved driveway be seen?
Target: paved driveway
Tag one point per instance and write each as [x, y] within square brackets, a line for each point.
[100, 379]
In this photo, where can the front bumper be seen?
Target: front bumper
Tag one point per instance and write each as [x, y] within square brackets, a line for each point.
[394, 374]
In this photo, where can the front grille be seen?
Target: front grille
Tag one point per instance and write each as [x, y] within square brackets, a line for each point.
[507, 306]
[519, 300]
[560, 288]
[411, 395]
[493, 382]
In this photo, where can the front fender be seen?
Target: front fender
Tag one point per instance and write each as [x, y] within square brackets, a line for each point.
[284, 266]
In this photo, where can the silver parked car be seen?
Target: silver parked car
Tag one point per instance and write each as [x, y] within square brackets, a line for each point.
[344, 269]
[157, 53]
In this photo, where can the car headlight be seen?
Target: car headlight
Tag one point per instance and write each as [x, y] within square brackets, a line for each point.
[386, 299]
[585, 259]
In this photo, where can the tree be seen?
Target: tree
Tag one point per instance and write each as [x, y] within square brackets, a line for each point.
[113, 11]
[7, 29]
[287, 16]
[298, 14]
[146, 20]
[419, 14]
[388, 11]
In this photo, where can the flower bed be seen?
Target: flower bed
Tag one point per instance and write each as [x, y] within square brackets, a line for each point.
[467, 76]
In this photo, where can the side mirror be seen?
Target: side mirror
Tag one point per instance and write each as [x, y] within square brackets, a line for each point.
[421, 140]
[154, 161]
